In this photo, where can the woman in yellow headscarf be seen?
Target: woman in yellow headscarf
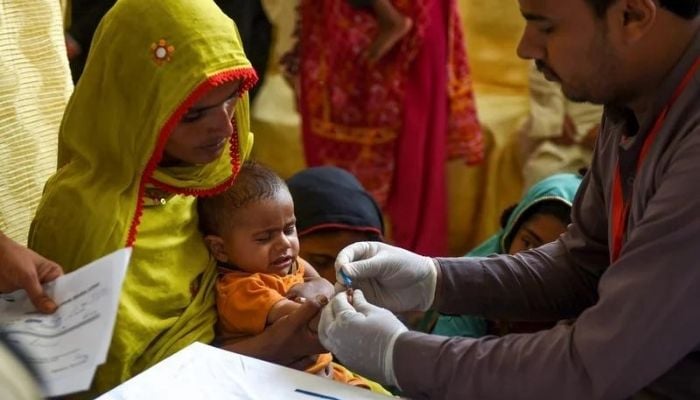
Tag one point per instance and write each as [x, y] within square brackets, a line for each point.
[160, 116]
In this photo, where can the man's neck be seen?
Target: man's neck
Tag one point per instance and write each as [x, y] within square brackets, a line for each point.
[679, 38]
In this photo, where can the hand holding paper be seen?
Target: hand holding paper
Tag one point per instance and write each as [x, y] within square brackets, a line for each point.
[22, 268]
[67, 346]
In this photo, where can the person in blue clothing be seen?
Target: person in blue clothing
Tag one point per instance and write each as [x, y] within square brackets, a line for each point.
[540, 217]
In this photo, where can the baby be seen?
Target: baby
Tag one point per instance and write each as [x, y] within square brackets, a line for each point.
[250, 230]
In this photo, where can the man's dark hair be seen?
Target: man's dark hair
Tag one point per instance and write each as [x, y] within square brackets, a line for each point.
[254, 182]
[687, 9]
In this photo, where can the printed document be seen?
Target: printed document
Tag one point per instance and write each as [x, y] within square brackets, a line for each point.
[67, 347]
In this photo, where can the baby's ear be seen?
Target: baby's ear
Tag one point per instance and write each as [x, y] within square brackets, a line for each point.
[215, 244]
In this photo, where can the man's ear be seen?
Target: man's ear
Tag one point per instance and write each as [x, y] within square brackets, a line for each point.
[215, 244]
[638, 18]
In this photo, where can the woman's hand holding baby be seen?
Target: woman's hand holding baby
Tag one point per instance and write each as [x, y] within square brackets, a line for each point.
[287, 341]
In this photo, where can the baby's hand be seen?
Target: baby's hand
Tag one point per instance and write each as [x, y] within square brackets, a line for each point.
[310, 289]
[313, 324]
[299, 299]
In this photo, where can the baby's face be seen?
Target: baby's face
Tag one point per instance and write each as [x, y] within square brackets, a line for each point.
[263, 236]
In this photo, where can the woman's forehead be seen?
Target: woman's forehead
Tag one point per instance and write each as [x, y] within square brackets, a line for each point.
[218, 94]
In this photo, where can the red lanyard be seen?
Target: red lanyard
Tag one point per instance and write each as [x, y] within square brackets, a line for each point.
[620, 206]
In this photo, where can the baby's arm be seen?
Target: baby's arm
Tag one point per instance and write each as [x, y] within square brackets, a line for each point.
[285, 307]
[280, 309]
[314, 285]
[285, 342]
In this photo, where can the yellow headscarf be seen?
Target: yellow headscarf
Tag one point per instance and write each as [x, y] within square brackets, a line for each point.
[150, 60]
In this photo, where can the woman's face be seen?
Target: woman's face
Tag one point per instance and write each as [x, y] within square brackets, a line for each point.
[536, 231]
[321, 248]
[202, 133]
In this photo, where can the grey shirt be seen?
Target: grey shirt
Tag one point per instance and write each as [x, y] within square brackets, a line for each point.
[637, 322]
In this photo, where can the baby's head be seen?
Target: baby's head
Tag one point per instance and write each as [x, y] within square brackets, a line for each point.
[251, 226]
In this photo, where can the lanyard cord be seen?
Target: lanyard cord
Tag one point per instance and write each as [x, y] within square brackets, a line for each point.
[620, 205]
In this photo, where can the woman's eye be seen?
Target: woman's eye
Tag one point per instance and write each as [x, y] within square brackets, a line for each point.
[192, 116]
[195, 115]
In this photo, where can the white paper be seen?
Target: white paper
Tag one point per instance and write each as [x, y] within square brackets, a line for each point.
[66, 347]
[200, 371]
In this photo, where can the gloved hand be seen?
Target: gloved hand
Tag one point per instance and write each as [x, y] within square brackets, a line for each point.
[389, 276]
[361, 335]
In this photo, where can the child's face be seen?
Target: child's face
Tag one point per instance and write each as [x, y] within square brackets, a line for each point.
[262, 236]
[202, 133]
[536, 231]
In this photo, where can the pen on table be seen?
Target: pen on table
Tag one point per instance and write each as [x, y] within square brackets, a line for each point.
[314, 394]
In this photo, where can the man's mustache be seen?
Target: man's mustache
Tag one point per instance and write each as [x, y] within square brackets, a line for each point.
[542, 66]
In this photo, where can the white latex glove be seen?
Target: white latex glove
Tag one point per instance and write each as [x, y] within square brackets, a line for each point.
[389, 276]
[361, 335]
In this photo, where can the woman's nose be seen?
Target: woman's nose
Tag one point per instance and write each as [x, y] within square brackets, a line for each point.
[222, 120]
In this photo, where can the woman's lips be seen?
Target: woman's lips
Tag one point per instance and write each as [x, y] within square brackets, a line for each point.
[214, 148]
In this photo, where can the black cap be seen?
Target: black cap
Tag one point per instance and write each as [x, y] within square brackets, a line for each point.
[332, 198]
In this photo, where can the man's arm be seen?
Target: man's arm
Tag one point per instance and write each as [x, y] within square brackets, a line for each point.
[555, 281]
[643, 324]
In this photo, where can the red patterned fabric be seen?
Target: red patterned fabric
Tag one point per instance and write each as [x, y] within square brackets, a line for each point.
[354, 114]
